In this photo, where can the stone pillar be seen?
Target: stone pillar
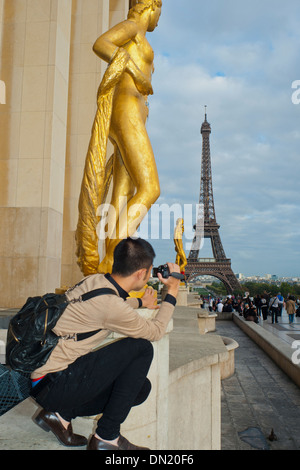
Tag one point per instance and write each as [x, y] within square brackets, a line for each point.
[33, 122]
[51, 76]
[181, 297]
[90, 18]
[206, 321]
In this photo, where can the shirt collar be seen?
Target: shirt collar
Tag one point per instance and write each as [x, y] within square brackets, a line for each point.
[122, 292]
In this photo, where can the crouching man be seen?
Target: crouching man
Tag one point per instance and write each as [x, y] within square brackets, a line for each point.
[80, 379]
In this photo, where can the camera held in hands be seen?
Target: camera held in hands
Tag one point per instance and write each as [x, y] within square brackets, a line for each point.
[165, 272]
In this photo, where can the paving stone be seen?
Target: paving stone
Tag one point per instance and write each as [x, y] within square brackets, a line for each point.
[258, 395]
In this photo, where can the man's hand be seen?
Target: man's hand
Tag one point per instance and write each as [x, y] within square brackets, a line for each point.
[171, 282]
[149, 299]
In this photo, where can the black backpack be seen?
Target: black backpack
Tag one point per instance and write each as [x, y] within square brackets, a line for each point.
[30, 339]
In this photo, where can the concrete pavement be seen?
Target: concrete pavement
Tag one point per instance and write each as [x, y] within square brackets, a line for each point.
[259, 397]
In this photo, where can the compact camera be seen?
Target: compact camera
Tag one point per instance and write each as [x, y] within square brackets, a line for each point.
[165, 272]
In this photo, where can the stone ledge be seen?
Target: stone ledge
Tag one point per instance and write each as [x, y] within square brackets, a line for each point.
[224, 316]
[280, 352]
[187, 345]
[206, 322]
[195, 371]
[228, 367]
[209, 351]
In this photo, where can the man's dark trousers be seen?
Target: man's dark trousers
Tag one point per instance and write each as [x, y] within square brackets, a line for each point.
[110, 380]
[274, 313]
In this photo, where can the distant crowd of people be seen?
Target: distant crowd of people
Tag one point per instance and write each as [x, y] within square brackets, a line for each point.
[253, 308]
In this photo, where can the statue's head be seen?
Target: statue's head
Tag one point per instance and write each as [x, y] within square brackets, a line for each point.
[140, 6]
[155, 3]
[180, 224]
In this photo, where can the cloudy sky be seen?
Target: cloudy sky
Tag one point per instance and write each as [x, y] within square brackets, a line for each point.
[240, 59]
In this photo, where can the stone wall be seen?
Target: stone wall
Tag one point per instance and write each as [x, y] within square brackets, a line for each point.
[51, 76]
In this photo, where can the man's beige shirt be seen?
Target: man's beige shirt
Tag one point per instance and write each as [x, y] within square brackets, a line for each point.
[111, 313]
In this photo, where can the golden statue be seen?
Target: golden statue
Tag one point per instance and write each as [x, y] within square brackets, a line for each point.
[121, 117]
[181, 256]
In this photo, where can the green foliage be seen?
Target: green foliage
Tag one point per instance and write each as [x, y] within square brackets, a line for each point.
[202, 291]
[218, 288]
[260, 288]
[284, 288]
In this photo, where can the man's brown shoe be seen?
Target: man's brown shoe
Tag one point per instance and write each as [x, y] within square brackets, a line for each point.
[123, 444]
[48, 421]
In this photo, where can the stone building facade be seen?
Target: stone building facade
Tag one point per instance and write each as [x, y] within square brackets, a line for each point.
[51, 77]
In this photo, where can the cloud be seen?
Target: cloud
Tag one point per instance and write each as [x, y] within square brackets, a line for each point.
[240, 59]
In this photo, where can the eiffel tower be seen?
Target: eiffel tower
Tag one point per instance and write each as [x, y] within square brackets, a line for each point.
[219, 266]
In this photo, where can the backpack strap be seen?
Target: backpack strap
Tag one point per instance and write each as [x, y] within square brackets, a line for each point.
[96, 292]
[83, 298]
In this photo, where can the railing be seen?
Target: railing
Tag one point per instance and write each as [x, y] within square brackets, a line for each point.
[209, 260]
[206, 260]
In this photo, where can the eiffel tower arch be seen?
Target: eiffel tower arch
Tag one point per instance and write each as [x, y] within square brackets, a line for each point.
[219, 265]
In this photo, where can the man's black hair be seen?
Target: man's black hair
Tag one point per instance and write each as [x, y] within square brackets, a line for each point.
[132, 254]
